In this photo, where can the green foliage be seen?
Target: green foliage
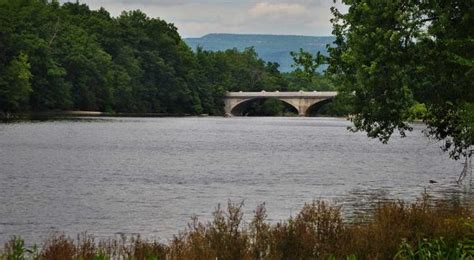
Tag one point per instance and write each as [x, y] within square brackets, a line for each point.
[68, 57]
[341, 105]
[306, 77]
[299, 81]
[15, 84]
[435, 249]
[15, 249]
[232, 70]
[391, 55]
[306, 64]
[417, 112]
[269, 47]
[351, 257]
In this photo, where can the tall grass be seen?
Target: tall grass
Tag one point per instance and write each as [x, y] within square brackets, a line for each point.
[420, 230]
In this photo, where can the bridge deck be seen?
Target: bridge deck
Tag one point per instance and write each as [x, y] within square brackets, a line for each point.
[278, 94]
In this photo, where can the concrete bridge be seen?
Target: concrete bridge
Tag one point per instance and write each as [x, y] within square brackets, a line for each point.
[302, 101]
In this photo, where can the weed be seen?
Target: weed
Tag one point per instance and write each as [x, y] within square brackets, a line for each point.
[420, 230]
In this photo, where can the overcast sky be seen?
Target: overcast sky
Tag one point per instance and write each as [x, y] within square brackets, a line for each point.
[199, 17]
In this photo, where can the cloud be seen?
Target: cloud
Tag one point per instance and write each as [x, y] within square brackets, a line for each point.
[280, 13]
[134, 2]
[195, 18]
[269, 9]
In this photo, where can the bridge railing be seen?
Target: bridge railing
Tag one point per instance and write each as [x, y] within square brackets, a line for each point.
[282, 94]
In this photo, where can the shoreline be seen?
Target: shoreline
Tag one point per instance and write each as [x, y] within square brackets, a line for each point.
[317, 231]
[80, 113]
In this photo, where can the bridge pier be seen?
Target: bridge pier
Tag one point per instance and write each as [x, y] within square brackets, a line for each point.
[301, 101]
[302, 112]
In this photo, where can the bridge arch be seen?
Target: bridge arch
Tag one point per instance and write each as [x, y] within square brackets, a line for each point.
[239, 107]
[316, 106]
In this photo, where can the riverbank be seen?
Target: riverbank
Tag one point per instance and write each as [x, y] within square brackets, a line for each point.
[97, 114]
[72, 114]
[76, 114]
[420, 230]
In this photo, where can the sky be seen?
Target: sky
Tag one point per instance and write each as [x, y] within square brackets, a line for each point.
[200, 17]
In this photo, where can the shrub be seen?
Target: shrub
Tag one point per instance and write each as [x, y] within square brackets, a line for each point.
[420, 230]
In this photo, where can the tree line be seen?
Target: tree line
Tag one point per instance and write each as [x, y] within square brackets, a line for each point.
[68, 57]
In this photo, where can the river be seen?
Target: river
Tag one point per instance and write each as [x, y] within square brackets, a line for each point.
[112, 176]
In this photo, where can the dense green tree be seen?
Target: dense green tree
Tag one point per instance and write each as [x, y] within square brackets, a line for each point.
[392, 55]
[306, 75]
[307, 64]
[15, 84]
[29, 29]
[298, 81]
[234, 70]
[68, 57]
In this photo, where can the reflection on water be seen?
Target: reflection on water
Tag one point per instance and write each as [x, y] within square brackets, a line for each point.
[361, 201]
[457, 194]
[150, 175]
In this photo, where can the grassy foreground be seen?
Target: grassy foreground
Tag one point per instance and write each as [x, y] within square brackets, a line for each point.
[393, 230]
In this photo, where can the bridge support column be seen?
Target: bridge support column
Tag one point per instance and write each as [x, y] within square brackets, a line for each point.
[302, 111]
[228, 105]
[300, 103]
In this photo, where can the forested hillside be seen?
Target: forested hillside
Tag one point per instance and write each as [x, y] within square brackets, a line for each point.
[272, 48]
[57, 57]
[64, 57]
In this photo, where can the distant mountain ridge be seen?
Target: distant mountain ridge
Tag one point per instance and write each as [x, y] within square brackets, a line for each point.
[274, 48]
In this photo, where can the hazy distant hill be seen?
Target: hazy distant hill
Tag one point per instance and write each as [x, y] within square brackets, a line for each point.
[275, 48]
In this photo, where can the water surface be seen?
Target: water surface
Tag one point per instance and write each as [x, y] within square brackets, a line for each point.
[114, 176]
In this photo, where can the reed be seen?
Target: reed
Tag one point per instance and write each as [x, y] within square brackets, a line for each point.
[423, 229]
